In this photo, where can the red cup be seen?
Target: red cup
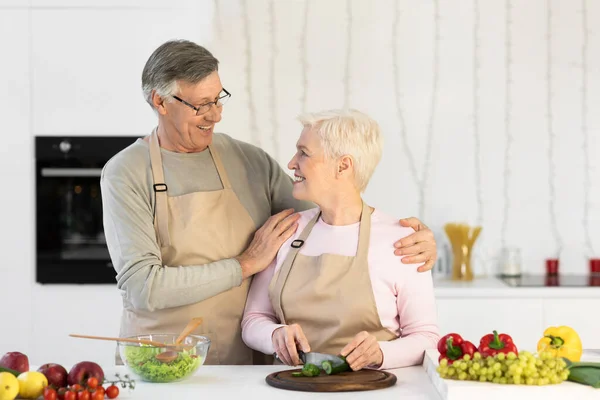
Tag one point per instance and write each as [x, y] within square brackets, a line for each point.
[552, 266]
[552, 280]
[594, 280]
[595, 265]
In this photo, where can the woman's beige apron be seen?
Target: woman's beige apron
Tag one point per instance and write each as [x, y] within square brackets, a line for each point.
[195, 229]
[330, 296]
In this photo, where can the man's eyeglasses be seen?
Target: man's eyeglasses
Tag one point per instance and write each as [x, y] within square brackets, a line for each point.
[204, 108]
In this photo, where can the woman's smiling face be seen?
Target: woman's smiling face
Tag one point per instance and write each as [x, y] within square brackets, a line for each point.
[314, 173]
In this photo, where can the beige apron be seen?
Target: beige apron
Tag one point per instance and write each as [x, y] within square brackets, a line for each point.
[195, 229]
[330, 296]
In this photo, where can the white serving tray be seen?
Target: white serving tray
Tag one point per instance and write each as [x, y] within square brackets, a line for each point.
[449, 389]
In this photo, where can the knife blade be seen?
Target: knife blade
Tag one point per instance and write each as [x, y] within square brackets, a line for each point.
[317, 358]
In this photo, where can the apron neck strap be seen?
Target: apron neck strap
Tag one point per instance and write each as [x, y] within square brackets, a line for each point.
[156, 159]
[220, 168]
[364, 235]
[305, 232]
[161, 211]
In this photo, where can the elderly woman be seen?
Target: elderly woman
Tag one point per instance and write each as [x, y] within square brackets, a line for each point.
[335, 286]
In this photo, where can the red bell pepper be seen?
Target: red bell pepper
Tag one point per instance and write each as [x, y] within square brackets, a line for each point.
[452, 347]
[495, 343]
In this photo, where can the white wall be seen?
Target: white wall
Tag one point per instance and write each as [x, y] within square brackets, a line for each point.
[72, 67]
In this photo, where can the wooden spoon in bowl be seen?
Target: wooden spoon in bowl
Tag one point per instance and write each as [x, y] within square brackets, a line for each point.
[125, 340]
[170, 355]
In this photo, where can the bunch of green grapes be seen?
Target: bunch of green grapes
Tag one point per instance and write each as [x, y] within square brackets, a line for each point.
[524, 369]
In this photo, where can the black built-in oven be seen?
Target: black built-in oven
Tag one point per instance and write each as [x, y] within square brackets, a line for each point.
[70, 242]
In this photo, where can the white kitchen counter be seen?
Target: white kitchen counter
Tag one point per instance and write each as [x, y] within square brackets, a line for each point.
[492, 287]
[248, 382]
[415, 383]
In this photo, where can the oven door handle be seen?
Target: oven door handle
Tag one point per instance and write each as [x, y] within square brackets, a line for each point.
[71, 172]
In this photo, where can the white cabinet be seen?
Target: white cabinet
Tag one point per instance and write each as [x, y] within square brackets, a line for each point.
[16, 174]
[472, 318]
[476, 308]
[87, 310]
[580, 314]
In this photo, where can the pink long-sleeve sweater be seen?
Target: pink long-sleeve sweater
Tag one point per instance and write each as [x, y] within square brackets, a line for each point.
[404, 297]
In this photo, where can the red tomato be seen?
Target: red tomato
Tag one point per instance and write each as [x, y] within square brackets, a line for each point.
[61, 393]
[97, 396]
[70, 395]
[76, 387]
[50, 393]
[112, 392]
[101, 389]
[83, 395]
[92, 383]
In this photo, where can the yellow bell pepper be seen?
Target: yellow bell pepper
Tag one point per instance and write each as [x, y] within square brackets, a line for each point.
[561, 341]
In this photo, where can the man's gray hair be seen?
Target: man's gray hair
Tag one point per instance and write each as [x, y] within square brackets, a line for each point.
[176, 60]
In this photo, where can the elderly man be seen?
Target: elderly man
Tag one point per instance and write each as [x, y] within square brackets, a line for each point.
[182, 207]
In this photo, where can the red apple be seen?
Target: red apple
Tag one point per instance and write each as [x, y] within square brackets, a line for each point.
[15, 361]
[55, 373]
[80, 373]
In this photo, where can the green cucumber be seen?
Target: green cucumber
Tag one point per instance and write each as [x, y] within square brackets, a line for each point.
[311, 370]
[10, 371]
[327, 367]
[331, 369]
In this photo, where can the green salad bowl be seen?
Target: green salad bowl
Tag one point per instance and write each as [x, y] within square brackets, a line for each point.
[142, 360]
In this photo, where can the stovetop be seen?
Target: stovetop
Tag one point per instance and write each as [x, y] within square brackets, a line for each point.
[591, 280]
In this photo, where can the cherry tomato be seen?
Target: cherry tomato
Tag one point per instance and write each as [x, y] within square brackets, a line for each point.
[50, 393]
[70, 395]
[97, 396]
[76, 387]
[48, 389]
[112, 392]
[92, 383]
[61, 393]
[101, 389]
[83, 395]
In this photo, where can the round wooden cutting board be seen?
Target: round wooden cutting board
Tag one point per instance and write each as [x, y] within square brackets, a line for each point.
[364, 379]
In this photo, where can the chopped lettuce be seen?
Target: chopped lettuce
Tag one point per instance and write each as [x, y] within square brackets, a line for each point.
[143, 362]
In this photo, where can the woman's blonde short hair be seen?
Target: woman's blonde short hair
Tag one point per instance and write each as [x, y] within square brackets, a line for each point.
[348, 132]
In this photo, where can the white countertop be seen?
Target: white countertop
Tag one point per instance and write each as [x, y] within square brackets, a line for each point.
[490, 287]
[248, 382]
[415, 383]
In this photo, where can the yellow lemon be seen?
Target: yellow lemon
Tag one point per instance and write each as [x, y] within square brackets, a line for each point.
[31, 384]
[9, 386]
